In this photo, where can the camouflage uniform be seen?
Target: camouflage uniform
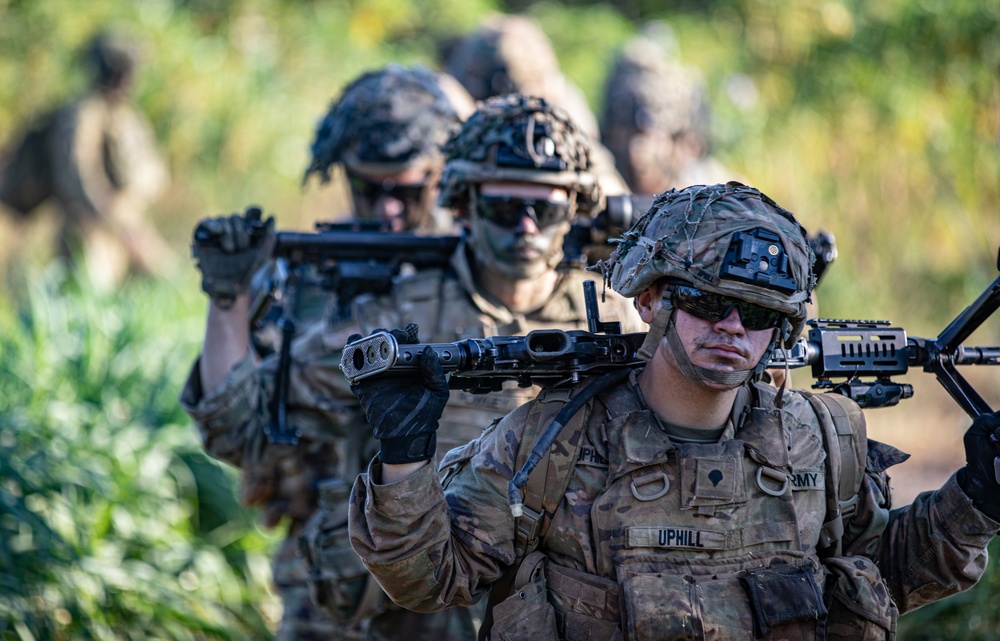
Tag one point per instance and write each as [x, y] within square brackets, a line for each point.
[646, 534]
[335, 443]
[674, 562]
[392, 118]
[102, 169]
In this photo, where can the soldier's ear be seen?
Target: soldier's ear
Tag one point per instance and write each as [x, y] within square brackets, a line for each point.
[647, 302]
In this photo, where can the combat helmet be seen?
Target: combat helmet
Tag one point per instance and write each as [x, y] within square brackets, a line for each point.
[649, 94]
[727, 239]
[647, 89]
[507, 54]
[519, 138]
[389, 120]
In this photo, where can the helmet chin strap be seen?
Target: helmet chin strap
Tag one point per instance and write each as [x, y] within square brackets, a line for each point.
[702, 375]
[663, 324]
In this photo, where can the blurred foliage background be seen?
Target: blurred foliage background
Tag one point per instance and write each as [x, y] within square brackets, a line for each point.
[878, 121]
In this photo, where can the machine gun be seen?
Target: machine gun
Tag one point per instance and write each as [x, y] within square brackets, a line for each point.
[834, 349]
[354, 258]
[349, 260]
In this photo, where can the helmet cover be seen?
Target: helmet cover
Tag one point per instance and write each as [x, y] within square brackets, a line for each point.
[729, 239]
[519, 138]
[389, 120]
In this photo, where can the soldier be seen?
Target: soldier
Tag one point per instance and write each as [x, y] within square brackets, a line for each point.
[656, 123]
[386, 130]
[656, 120]
[511, 54]
[683, 499]
[96, 157]
[517, 172]
[386, 133]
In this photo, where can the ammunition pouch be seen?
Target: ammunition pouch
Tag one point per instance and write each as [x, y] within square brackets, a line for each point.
[587, 606]
[526, 614]
[783, 598]
[859, 604]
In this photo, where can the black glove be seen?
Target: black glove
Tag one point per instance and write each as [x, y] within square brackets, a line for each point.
[404, 409]
[980, 478]
[230, 250]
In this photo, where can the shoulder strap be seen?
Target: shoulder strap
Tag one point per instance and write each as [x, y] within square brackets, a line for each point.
[549, 480]
[845, 441]
[528, 528]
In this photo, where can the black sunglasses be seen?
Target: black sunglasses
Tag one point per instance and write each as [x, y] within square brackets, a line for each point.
[507, 211]
[715, 307]
[373, 189]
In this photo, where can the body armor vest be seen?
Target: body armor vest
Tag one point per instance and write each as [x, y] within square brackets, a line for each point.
[693, 530]
[690, 541]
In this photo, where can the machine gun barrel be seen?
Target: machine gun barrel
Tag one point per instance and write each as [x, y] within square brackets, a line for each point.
[543, 357]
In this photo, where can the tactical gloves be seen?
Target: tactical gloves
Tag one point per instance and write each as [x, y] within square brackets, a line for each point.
[230, 250]
[404, 409]
[980, 478]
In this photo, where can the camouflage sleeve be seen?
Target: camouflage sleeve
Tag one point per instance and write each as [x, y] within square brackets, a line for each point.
[232, 417]
[928, 550]
[436, 542]
[226, 417]
[934, 547]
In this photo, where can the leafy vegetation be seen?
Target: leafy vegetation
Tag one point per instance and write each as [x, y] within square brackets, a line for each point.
[113, 523]
[876, 120]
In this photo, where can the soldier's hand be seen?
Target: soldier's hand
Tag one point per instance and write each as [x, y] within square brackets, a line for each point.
[980, 478]
[229, 250]
[404, 410]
